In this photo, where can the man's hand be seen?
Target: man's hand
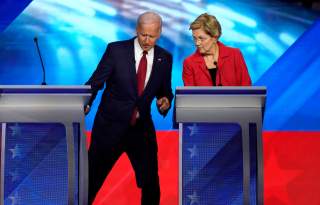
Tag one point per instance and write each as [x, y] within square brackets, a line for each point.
[86, 109]
[163, 104]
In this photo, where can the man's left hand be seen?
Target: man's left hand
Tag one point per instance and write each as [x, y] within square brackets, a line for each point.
[163, 104]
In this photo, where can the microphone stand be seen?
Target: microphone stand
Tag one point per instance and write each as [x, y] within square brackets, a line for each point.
[43, 69]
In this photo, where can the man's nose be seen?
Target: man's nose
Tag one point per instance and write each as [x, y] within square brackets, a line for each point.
[146, 39]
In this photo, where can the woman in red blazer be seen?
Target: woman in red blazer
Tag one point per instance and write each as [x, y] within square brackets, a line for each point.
[213, 64]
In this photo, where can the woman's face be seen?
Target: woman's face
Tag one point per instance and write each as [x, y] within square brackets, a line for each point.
[203, 41]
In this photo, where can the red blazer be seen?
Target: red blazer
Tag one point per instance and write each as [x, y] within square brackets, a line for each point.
[232, 69]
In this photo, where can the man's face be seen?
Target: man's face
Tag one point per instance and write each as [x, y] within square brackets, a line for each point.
[148, 34]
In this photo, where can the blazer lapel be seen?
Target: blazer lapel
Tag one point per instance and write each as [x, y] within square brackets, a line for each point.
[202, 64]
[223, 55]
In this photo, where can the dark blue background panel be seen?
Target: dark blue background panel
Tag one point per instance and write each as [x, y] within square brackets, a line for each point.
[9, 10]
[294, 86]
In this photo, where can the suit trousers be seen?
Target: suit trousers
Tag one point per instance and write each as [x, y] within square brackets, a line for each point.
[110, 141]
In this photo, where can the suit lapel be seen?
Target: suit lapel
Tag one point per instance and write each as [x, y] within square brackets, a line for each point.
[157, 58]
[132, 66]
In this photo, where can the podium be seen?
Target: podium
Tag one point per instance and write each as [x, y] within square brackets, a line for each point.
[43, 145]
[220, 145]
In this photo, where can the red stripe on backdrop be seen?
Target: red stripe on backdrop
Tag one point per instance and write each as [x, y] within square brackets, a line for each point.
[120, 186]
[291, 171]
[292, 168]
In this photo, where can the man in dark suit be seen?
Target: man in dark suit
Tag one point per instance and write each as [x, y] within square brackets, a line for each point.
[134, 72]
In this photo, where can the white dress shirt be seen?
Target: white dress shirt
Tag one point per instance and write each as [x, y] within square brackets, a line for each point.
[138, 52]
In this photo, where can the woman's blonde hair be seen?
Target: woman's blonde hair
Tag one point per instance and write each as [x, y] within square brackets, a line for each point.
[208, 23]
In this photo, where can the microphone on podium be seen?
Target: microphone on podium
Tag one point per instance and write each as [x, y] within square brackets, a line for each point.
[35, 39]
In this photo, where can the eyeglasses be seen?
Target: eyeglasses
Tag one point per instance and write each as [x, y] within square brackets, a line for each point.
[201, 39]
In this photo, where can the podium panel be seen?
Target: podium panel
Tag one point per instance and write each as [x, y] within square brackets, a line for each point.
[212, 163]
[36, 164]
[43, 152]
[220, 148]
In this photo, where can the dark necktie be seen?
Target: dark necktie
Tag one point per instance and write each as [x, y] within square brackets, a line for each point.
[142, 71]
[141, 78]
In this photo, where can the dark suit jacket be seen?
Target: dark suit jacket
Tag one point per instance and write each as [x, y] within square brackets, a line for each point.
[117, 72]
[232, 69]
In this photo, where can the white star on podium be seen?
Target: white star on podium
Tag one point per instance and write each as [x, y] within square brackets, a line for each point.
[14, 199]
[193, 151]
[16, 152]
[14, 175]
[192, 173]
[16, 130]
[194, 198]
[193, 129]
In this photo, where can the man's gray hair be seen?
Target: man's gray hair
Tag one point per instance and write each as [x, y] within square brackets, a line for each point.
[149, 17]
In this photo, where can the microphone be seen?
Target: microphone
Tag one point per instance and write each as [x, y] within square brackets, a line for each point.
[43, 69]
[219, 73]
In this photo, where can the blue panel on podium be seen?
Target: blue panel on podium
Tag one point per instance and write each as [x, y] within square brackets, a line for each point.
[36, 170]
[253, 141]
[212, 160]
[76, 137]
